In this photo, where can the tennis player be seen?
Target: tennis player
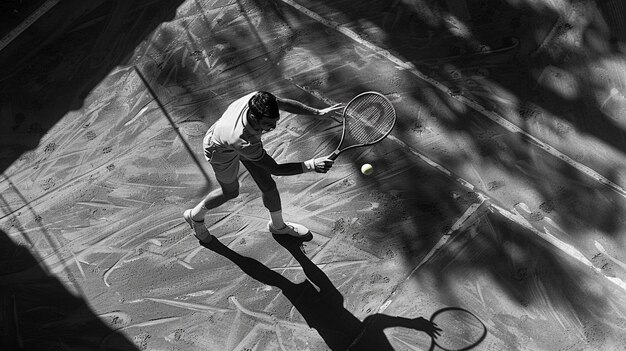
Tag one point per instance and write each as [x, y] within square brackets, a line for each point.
[236, 137]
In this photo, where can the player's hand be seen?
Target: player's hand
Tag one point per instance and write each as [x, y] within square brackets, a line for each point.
[330, 109]
[427, 326]
[319, 165]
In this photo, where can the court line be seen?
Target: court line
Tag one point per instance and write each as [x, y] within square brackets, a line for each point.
[471, 215]
[564, 247]
[493, 206]
[169, 119]
[495, 117]
[567, 249]
[51, 240]
[42, 10]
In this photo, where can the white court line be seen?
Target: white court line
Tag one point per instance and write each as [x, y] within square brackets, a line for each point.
[516, 218]
[470, 216]
[27, 22]
[562, 246]
[495, 117]
[567, 249]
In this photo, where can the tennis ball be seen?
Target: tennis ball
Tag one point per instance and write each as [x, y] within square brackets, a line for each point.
[367, 169]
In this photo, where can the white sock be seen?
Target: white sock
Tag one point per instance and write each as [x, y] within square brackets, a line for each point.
[277, 219]
[198, 212]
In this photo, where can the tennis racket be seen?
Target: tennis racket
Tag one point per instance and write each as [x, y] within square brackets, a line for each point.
[367, 119]
[460, 329]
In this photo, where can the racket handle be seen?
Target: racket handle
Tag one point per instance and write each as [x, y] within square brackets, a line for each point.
[334, 155]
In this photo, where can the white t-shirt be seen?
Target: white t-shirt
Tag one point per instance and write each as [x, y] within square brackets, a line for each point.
[232, 136]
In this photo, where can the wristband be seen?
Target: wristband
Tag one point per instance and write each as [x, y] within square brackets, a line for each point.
[308, 166]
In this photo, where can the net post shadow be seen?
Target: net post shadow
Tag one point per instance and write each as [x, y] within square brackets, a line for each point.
[321, 304]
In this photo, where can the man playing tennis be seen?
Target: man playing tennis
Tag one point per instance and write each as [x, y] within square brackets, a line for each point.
[236, 137]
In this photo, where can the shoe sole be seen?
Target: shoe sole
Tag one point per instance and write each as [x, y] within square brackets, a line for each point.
[306, 237]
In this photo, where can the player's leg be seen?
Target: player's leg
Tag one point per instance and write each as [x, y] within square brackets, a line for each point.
[226, 174]
[217, 197]
[271, 201]
[270, 194]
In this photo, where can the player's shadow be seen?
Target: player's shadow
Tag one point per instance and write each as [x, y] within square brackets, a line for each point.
[321, 304]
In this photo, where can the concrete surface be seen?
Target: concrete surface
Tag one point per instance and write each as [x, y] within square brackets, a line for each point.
[500, 191]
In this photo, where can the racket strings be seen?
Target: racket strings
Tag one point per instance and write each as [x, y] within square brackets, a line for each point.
[369, 118]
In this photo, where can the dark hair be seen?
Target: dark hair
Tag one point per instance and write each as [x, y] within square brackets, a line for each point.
[263, 104]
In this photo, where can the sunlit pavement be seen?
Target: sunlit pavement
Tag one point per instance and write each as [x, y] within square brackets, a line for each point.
[500, 190]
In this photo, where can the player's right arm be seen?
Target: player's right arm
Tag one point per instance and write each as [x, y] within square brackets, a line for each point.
[296, 107]
[319, 165]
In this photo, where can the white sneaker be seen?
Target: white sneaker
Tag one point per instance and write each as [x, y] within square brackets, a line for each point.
[200, 231]
[292, 229]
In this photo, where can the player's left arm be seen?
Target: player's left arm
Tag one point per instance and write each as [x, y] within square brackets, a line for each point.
[319, 165]
[280, 169]
[296, 107]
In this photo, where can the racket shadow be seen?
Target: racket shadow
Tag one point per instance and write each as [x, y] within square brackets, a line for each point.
[321, 304]
[460, 329]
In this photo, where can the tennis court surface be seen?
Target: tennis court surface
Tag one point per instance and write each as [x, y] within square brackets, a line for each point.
[500, 190]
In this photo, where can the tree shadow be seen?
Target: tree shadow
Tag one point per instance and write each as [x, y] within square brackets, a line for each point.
[38, 312]
[417, 35]
[493, 47]
[321, 304]
[51, 68]
[531, 275]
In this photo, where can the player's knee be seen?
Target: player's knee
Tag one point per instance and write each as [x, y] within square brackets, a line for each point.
[230, 190]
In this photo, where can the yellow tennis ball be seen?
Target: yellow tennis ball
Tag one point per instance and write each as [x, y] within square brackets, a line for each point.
[367, 169]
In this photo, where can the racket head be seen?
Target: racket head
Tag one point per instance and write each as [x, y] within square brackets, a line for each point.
[367, 119]
[460, 329]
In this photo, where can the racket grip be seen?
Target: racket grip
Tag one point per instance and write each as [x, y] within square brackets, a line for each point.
[334, 155]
